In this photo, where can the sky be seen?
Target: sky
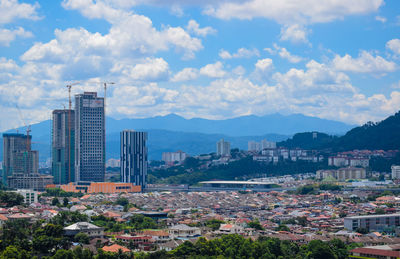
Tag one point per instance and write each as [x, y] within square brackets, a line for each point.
[214, 59]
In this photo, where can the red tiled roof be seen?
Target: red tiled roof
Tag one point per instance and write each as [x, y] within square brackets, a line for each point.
[373, 251]
[115, 248]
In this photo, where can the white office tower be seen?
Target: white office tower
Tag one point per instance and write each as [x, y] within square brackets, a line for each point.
[89, 137]
[223, 148]
[134, 157]
[395, 172]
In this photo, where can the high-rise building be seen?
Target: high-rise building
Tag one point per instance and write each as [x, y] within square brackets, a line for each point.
[134, 157]
[63, 146]
[13, 143]
[223, 148]
[89, 137]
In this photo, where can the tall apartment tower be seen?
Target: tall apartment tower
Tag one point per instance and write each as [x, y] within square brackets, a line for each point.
[13, 144]
[223, 148]
[63, 146]
[89, 137]
[134, 157]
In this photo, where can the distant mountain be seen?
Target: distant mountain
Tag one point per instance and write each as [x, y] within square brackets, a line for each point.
[241, 126]
[172, 132]
[158, 141]
[381, 135]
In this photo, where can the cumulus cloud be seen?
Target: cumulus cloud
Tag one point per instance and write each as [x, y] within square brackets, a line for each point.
[6, 36]
[194, 27]
[11, 10]
[364, 63]
[394, 45]
[294, 33]
[215, 70]
[283, 53]
[151, 70]
[294, 11]
[134, 33]
[264, 65]
[185, 74]
[240, 53]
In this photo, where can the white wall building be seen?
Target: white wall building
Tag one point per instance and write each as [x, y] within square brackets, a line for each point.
[30, 196]
[223, 148]
[172, 157]
[395, 172]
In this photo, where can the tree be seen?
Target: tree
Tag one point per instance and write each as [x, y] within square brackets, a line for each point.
[122, 201]
[55, 201]
[13, 252]
[82, 238]
[283, 228]
[65, 201]
[255, 224]
[11, 198]
[379, 211]
[362, 231]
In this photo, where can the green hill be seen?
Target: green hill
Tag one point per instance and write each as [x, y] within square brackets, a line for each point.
[381, 135]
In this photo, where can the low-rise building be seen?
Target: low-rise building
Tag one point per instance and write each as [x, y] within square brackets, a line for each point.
[184, 231]
[372, 222]
[84, 227]
[30, 196]
[100, 187]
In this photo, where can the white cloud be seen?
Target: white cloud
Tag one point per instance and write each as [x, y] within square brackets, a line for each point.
[394, 45]
[380, 19]
[240, 53]
[7, 36]
[364, 63]
[11, 10]
[215, 70]
[151, 70]
[294, 11]
[284, 53]
[264, 65]
[194, 27]
[294, 33]
[185, 74]
[132, 33]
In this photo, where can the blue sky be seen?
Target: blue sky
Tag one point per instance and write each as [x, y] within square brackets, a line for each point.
[333, 59]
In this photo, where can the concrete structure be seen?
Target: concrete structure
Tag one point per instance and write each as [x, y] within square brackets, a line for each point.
[84, 227]
[223, 148]
[89, 137]
[372, 222]
[63, 146]
[267, 144]
[34, 182]
[30, 196]
[348, 173]
[343, 174]
[171, 158]
[134, 157]
[12, 143]
[184, 231]
[395, 172]
[253, 146]
[91, 187]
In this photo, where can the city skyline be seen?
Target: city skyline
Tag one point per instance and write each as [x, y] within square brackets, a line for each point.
[202, 59]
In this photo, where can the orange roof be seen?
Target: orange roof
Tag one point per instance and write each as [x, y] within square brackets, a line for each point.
[2, 217]
[155, 233]
[110, 214]
[115, 248]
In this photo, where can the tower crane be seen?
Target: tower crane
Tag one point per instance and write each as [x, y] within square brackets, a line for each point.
[69, 128]
[28, 128]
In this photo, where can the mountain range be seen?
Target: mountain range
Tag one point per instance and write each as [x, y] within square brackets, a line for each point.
[195, 136]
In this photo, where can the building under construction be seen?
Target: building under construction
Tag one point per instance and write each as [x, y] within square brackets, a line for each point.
[21, 164]
[63, 146]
